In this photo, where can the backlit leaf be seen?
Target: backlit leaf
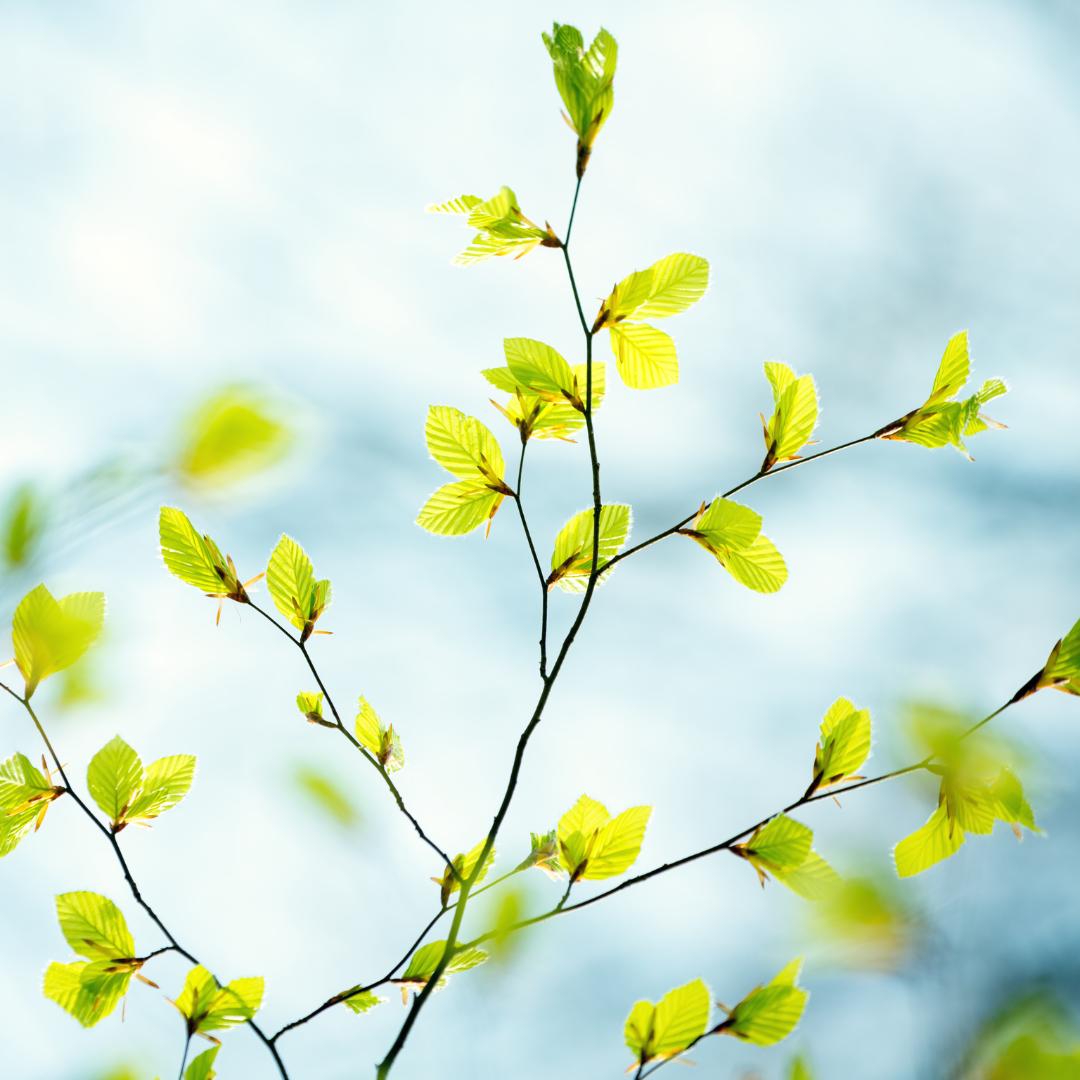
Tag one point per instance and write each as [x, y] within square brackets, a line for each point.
[572, 556]
[379, 739]
[202, 1067]
[49, 635]
[84, 991]
[458, 508]
[664, 1030]
[211, 1007]
[645, 357]
[794, 417]
[196, 560]
[94, 926]
[363, 1001]
[771, 1012]
[114, 775]
[939, 838]
[844, 745]
[290, 579]
[593, 845]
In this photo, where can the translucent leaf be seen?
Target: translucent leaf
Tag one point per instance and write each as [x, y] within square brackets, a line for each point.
[780, 844]
[576, 830]
[543, 854]
[325, 794]
[165, 782]
[426, 959]
[1013, 806]
[21, 784]
[680, 1018]
[464, 865]
[727, 524]
[644, 356]
[22, 525]
[49, 635]
[572, 555]
[676, 283]
[504, 229]
[210, 1007]
[194, 559]
[114, 775]
[378, 738]
[463, 204]
[794, 416]
[290, 579]
[844, 745]
[953, 371]
[363, 1001]
[94, 926]
[82, 990]
[540, 370]
[759, 567]
[232, 435]
[463, 446]
[202, 1067]
[310, 703]
[1062, 670]
[771, 1012]
[458, 508]
[812, 879]
[936, 840]
[594, 846]
[584, 79]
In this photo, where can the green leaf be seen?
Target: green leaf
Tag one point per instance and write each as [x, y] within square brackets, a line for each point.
[458, 508]
[165, 782]
[327, 795]
[668, 287]
[230, 436]
[781, 844]
[665, 1030]
[812, 879]
[572, 556]
[84, 991]
[94, 926]
[771, 1012]
[938, 839]
[644, 356]
[1062, 670]
[25, 795]
[540, 370]
[363, 1001]
[426, 959]
[584, 78]
[543, 854]
[464, 447]
[114, 775]
[202, 1067]
[794, 417]
[377, 738]
[49, 635]
[211, 1007]
[731, 533]
[290, 579]
[844, 745]
[504, 229]
[941, 421]
[1013, 808]
[311, 705]
[23, 525]
[196, 560]
[593, 845]
[464, 864]
[536, 416]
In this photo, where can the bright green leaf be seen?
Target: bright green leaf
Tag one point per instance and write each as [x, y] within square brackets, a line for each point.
[844, 745]
[165, 782]
[503, 228]
[211, 1007]
[464, 865]
[540, 370]
[665, 1030]
[426, 959]
[379, 739]
[1062, 670]
[781, 844]
[794, 417]
[771, 1012]
[310, 704]
[94, 926]
[731, 533]
[197, 560]
[594, 845]
[644, 356]
[84, 991]
[464, 446]
[290, 579]
[938, 839]
[25, 795]
[202, 1067]
[49, 635]
[458, 508]
[572, 556]
[363, 1001]
[114, 775]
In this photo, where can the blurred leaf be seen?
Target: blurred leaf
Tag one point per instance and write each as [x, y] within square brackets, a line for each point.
[363, 1001]
[202, 1067]
[1031, 1038]
[50, 635]
[22, 525]
[326, 795]
[867, 923]
[232, 435]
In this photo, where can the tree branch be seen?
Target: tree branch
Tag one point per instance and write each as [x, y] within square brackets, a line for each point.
[536, 562]
[109, 835]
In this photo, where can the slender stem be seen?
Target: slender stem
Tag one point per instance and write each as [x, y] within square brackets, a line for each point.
[731, 491]
[367, 755]
[174, 945]
[420, 999]
[536, 563]
[810, 796]
[183, 1058]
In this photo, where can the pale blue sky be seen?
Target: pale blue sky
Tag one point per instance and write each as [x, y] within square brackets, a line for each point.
[197, 194]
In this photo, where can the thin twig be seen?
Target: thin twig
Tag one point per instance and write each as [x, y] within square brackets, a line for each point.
[536, 563]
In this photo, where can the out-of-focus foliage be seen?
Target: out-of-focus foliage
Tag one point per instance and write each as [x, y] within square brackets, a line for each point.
[1031, 1038]
[22, 525]
[324, 793]
[49, 635]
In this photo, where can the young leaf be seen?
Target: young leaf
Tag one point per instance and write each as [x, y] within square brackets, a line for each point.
[426, 959]
[668, 287]
[363, 1001]
[310, 704]
[645, 357]
[208, 1006]
[379, 740]
[794, 417]
[813, 879]
[941, 421]
[771, 1012]
[114, 775]
[202, 1067]
[572, 556]
[503, 228]
[666, 1029]
[540, 370]
[464, 447]
[25, 795]
[593, 845]
[584, 78]
[458, 508]
[781, 844]
[290, 579]
[84, 991]
[844, 745]
[165, 782]
[938, 839]
[731, 532]
[464, 865]
[1062, 670]
[94, 926]
[539, 417]
[230, 436]
[49, 635]
[196, 560]
[543, 854]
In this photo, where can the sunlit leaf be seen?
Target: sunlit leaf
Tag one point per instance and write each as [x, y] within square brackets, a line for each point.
[540, 370]
[572, 555]
[794, 416]
[114, 775]
[464, 866]
[377, 738]
[666, 1029]
[1062, 670]
[25, 794]
[49, 635]
[844, 745]
[503, 228]
[645, 357]
[197, 560]
[291, 581]
[593, 845]
[202, 1067]
[363, 1001]
[207, 1006]
[426, 959]
[165, 782]
[939, 838]
[731, 532]
[771, 1012]
[84, 990]
[458, 508]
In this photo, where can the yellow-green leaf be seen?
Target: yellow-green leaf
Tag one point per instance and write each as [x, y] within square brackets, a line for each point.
[782, 843]
[938, 839]
[844, 745]
[202, 1067]
[644, 356]
[572, 555]
[665, 1030]
[113, 777]
[540, 370]
[211, 1007]
[290, 579]
[165, 782]
[50, 635]
[1062, 670]
[464, 446]
[953, 371]
[794, 417]
[25, 794]
[458, 508]
[194, 559]
[363, 1001]
[771, 1012]
[593, 845]
[377, 738]
[94, 926]
[676, 283]
[84, 990]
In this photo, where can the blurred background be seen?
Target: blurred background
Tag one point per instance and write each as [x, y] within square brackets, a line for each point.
[219, 290]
